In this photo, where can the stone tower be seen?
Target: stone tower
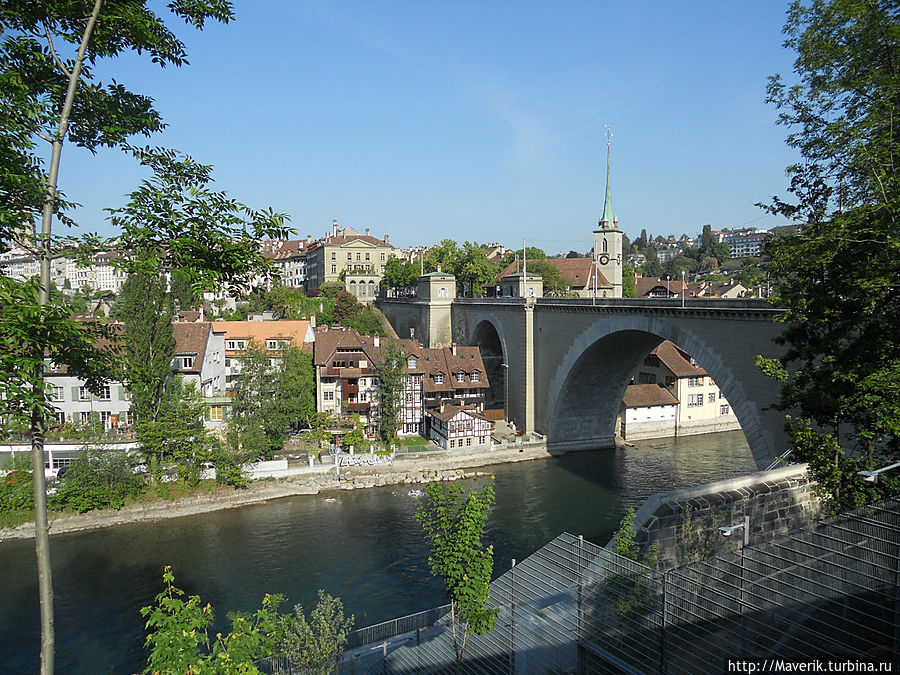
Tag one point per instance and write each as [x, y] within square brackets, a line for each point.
[608, 240]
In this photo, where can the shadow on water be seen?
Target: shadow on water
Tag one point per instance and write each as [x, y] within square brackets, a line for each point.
[362, 545]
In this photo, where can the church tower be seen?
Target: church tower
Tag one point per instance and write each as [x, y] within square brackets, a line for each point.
[608, 237]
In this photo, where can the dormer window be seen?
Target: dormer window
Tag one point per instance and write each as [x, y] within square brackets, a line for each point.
[476, 376]
[460, 377]
[187, 362]
[439, 378]
[411, 362]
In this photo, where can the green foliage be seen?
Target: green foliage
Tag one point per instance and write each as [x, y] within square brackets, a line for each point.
[837, 277]
[330, 289]
[174, 219]
[29, 334]
[181, 291]
[390, 389]
[16, 491]
[346, 306]
[98, 479]
[179, 643]
[454, 520]
[268, 400]
[354, 438]
[315, 644]
[400, 274]
[176, 436]
[629, 591]
[628, 281]
[366, 322]
[145, 311]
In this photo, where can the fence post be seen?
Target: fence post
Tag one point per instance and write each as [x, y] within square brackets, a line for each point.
[663, 661]
[512, 617]
[579, 609]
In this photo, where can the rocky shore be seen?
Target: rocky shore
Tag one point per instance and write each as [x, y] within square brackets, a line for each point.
[411, 469]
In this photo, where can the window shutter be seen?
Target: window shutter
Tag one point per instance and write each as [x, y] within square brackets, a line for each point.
[74, 393]
[121, 392]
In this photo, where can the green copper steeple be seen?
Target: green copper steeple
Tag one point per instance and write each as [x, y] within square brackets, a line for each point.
[608, 219]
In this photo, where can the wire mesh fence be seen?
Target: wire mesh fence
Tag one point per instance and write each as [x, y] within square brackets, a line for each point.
[573, 607]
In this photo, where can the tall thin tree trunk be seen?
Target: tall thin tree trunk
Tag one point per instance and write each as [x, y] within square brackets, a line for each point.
[38, 423]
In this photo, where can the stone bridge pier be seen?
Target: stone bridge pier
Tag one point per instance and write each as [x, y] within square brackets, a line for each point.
[562, 365]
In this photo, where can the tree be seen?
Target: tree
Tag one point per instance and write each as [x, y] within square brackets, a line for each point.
[346, 306]
[366, 322]
[182, 292]
[390, 389]
[837, 277]
[628, 290]
[144, 308]
[269, 398]
[52, 96]
[98, 479]
[315, 645]
[400, 274]
[454, 520]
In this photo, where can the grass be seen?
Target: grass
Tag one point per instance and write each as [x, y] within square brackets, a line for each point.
[413, 440]
[15, 518]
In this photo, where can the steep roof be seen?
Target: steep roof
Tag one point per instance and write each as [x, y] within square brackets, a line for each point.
[644, 285]
[277, 249]
[296, 330]
[608, 218]
[644, 395]
[329, 340]
[431, 361]
[677, 360]
[451, 411]
[191, 338]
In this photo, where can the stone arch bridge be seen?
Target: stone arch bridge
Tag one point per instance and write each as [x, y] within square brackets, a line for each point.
[562, 365]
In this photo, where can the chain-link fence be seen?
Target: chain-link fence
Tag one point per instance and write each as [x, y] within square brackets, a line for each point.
[574, 607]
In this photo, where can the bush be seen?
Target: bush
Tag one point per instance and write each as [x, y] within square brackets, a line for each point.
[98, 479]
[16, 490]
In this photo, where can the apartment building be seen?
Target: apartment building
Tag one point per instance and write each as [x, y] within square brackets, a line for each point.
[347, 251]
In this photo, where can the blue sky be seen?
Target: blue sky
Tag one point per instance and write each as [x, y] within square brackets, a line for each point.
[471, 120]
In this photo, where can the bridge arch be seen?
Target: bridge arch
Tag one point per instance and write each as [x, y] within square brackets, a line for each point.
[488, 336]
[585, 392]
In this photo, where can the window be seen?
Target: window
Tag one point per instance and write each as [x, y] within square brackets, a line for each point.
[334, 269]
[228, 363]
[187, 362]
[358, 257]
[452, 443]
[411, 362]
[460, 377]
[651, 360]
[647, 378]
[382, 260]
[349, 255]
[104, 418]
[327, 395]
[724, 410]
[721, 395]
[215, 413]
[85, 417]
[439, 378]
[333, 256]
[56, 393]
[105, 394]
[476, 376]
[695, 381]
[60, 417]
[367, 256]
[442, 292]
[695, 400]
[468, 441]
[84, 394]
[712, 397]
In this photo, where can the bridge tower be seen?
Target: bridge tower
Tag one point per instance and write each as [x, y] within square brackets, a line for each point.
[608, 237]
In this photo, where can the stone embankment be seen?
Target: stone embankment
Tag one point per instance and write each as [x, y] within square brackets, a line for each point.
[407, 469]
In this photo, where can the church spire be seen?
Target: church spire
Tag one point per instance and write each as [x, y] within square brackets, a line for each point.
[608, 219]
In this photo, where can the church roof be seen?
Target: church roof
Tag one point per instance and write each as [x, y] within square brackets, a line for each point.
[608, 218]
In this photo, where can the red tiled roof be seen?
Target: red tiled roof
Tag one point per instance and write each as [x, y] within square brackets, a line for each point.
[191, 339]
[644, 395]
[677, 360]
[431, 361]
[576, 272]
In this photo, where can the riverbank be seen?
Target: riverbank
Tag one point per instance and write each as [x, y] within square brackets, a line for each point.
[409, 469]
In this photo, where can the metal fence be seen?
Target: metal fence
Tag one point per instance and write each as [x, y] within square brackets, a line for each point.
[574, 607]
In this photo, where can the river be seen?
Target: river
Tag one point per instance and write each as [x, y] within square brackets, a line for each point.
[364, 546]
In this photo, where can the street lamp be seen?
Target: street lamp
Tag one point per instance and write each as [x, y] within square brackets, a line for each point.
[872, 476]
[668, 292]
[505, 392]
[682, 289]
[727, 531]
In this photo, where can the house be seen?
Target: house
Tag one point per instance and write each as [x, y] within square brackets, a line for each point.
[579, 274]
[346, 382]
[458, 427]
[200, 356]
[347, 251]
[731, 290]
[702, 407]
[453, 375]
[653, 287]
[289, 256]
[268, 335]
[647, 411]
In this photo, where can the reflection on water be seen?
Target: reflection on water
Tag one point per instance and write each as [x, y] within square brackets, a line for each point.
[364, 546]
